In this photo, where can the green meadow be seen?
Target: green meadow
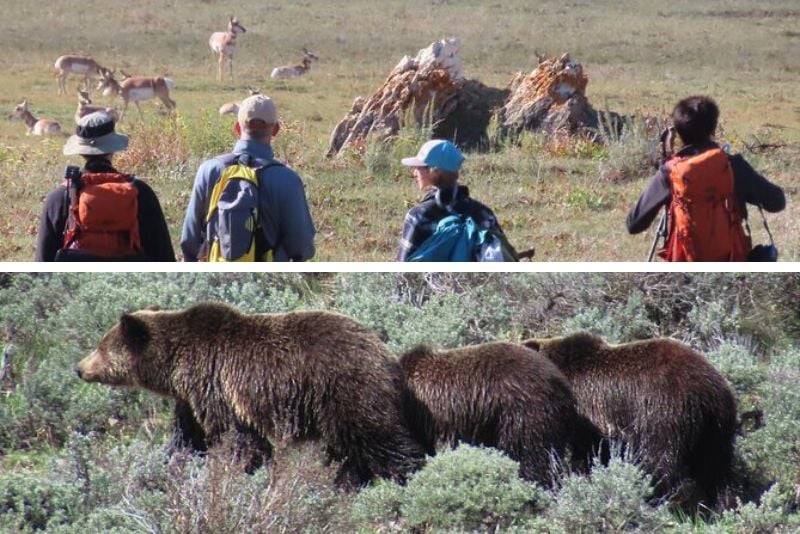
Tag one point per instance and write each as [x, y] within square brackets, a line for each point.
[568, 199]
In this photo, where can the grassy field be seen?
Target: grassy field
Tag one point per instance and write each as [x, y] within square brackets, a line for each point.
[640, 56]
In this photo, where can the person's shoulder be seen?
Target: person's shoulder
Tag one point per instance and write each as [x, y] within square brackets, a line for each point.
[57, 195]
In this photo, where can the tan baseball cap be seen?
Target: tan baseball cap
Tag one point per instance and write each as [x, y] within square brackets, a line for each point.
[257, 107]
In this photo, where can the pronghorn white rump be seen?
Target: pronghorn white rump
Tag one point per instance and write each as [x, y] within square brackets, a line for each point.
[35, 126]
[224, 44]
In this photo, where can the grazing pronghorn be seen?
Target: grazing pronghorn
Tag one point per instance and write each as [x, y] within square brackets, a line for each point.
[224, 43]
[85, 107]
[232, 108]
[35, 126]
[66, 65]
[136, 88]
[293, 71]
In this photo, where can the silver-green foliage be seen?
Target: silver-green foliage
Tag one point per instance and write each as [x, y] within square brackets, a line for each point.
[466, 489]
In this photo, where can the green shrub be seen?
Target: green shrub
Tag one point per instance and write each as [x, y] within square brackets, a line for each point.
[617, 323]
[610, 499]
[469, 489]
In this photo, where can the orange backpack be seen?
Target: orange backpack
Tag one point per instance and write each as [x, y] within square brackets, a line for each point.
[705, 222]
[103, 218]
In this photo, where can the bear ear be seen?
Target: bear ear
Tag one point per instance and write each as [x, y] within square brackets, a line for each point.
[153, 307]
[135, 332]
[532, 343]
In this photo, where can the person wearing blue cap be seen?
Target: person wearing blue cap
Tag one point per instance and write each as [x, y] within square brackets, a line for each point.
[435, 169]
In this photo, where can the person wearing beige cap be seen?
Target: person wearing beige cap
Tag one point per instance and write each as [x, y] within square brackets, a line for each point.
[98, 213]
[284, 228]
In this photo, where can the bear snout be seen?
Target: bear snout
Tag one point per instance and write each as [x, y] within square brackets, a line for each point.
[79, 372]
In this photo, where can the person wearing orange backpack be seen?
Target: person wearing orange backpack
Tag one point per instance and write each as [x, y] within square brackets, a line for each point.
[705, 191]
[98, 213]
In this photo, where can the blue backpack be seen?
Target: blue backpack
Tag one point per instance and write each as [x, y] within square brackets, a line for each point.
[459, 238]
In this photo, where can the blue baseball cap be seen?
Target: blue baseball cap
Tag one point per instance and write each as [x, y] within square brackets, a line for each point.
[437, 153]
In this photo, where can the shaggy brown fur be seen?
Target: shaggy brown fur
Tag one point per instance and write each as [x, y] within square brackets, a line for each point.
[498, 395]
[288, 376]
[659, 397]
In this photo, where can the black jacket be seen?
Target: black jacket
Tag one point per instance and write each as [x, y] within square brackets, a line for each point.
[749, 186]
[152, 225]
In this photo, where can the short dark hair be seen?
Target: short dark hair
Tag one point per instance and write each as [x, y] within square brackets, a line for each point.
[695, 119]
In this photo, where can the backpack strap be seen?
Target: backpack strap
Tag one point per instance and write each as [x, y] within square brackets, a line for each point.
[71, 228]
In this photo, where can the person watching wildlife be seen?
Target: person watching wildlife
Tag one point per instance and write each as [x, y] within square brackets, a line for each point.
[246, 205]
[98, 213]
[436, 171]
[705, 191]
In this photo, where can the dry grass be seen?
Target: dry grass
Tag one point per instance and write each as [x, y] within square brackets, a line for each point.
[640, 56]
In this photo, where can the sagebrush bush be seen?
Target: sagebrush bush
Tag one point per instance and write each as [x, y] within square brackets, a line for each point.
[465, 489]
[612, 498]
[620, 323]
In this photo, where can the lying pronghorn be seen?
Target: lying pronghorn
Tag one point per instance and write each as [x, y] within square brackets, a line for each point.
[35, 126]
[232, 108]
[136, 88]
[85, 107]
[293, 71]
[66, 65]
[224, 43]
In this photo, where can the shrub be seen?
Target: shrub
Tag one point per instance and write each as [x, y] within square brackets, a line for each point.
[617, 323]
[469, 488]
[612, 498]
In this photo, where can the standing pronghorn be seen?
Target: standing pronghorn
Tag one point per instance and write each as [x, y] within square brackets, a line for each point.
[136, 88]
[232, 108]
[66, 65]
[85, 107]
[293, 71]
[224, 43]
[35, 126]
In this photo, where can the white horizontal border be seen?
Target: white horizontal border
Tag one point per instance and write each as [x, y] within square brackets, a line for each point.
[371, 267]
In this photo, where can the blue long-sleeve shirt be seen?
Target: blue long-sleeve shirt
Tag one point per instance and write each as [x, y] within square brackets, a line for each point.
[283, 214]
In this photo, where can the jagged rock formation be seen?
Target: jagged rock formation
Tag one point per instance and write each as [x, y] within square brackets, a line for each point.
[425, 86]
[430, 90]
[551, 98]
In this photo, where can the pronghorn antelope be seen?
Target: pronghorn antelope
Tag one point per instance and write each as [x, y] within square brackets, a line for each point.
[232, 108]
[224, 43]
[66, 65]
[293, 71]
[136, 88]
[35, 126]
[85, 107]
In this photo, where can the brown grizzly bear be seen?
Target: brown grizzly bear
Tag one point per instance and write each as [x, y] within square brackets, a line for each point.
[660, 398]
[297, 375]
[498, 395]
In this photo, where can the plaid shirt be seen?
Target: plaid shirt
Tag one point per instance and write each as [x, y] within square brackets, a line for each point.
[421, 220]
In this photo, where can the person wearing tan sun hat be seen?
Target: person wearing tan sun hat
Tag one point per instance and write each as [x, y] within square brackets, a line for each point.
[284, 228]
[98, 213]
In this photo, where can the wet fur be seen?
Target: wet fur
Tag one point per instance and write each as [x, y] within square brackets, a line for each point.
[497, 395]
[294, 376]
[662, 398]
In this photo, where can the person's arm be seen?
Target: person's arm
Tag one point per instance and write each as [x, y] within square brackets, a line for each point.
[153, 227]
[753, 188]
[193, 232]
[295, 228]
[51, 225]
[647, 207]
[409, 239]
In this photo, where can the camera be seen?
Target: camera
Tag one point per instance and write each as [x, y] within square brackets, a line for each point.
[72, 172]
[763, 253]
